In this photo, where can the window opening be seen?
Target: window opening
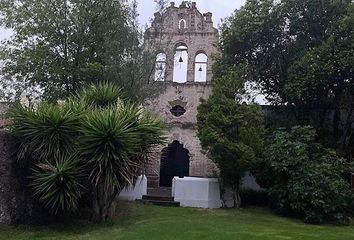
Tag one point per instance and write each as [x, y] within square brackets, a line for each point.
[178, 111]
[160, 67]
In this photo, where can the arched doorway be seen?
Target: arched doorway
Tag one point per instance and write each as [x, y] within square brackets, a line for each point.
[174, 162]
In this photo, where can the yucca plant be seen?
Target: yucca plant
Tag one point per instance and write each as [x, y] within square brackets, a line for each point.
[110, 141]
[46, 133]
[111, 138]
[57, 184]
[103, 95]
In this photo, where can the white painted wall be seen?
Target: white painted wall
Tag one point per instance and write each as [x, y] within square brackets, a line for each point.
[196, 192]
[205, 192]
[133, 193]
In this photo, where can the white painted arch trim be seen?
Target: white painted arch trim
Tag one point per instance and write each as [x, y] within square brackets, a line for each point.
[184, 24]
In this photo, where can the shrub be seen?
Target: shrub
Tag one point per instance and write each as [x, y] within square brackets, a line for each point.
[305, 179]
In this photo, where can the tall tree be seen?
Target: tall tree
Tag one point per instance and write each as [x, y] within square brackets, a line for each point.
[299, 52]
[59, 45]
[323, 78]
[230, 131]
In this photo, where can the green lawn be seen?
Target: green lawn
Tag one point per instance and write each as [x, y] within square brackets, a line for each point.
[154, 223]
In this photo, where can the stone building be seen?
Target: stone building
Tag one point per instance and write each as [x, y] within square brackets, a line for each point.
[185, 41]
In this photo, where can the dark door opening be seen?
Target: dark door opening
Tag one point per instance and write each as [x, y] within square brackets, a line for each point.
[174, 162]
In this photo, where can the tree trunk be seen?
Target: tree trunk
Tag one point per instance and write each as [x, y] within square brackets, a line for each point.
[103, 208]
[237, 197]
[96, 207]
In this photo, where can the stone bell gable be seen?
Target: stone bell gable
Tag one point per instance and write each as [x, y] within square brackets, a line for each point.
[183, 26]
[185, 19]
[185, 43]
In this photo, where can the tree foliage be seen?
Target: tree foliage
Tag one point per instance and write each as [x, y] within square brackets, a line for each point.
[304, 179]
[59, 45]
[230, 132]
[300, 53]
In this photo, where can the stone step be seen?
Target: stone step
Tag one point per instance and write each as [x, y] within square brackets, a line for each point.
[161, 203]
[158, 198]
[161, 192]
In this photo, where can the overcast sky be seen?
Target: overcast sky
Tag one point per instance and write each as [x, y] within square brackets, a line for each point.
[146, 9]
[219, 8]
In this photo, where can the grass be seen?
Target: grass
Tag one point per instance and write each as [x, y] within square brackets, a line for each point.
[139, 222]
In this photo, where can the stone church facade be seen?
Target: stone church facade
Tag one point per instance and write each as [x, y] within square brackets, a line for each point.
[185, 43]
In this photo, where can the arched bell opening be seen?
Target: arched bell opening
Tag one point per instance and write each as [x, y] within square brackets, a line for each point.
[200, 67]
[180, 68]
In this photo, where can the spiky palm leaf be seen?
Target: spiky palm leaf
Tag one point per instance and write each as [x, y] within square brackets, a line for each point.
[103, 95]
[151, 135]
[57, 185]
[109, 137]
[151, 130]
[46, 133]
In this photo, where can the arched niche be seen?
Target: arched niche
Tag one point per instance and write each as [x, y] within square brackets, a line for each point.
[182, 24]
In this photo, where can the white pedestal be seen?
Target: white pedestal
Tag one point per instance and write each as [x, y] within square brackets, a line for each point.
[133, 193]
[196, 192]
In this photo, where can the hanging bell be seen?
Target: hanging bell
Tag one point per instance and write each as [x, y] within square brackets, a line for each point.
[180, 60]
[200, 69]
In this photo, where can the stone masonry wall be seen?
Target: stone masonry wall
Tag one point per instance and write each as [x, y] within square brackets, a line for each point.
[182, 129]
[16, 203]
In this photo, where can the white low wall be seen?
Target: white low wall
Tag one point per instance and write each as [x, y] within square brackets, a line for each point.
[133, 193]
[196, 192]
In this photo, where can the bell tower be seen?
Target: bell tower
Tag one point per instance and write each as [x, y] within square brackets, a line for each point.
[185, 42]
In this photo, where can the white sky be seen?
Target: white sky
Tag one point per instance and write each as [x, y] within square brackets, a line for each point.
[219, 8]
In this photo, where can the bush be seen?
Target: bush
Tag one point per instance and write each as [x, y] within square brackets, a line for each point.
[305, 179]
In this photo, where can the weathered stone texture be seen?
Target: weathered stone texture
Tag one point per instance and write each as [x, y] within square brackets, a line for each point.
[199, 36]
[184, 128]
[3, 109]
